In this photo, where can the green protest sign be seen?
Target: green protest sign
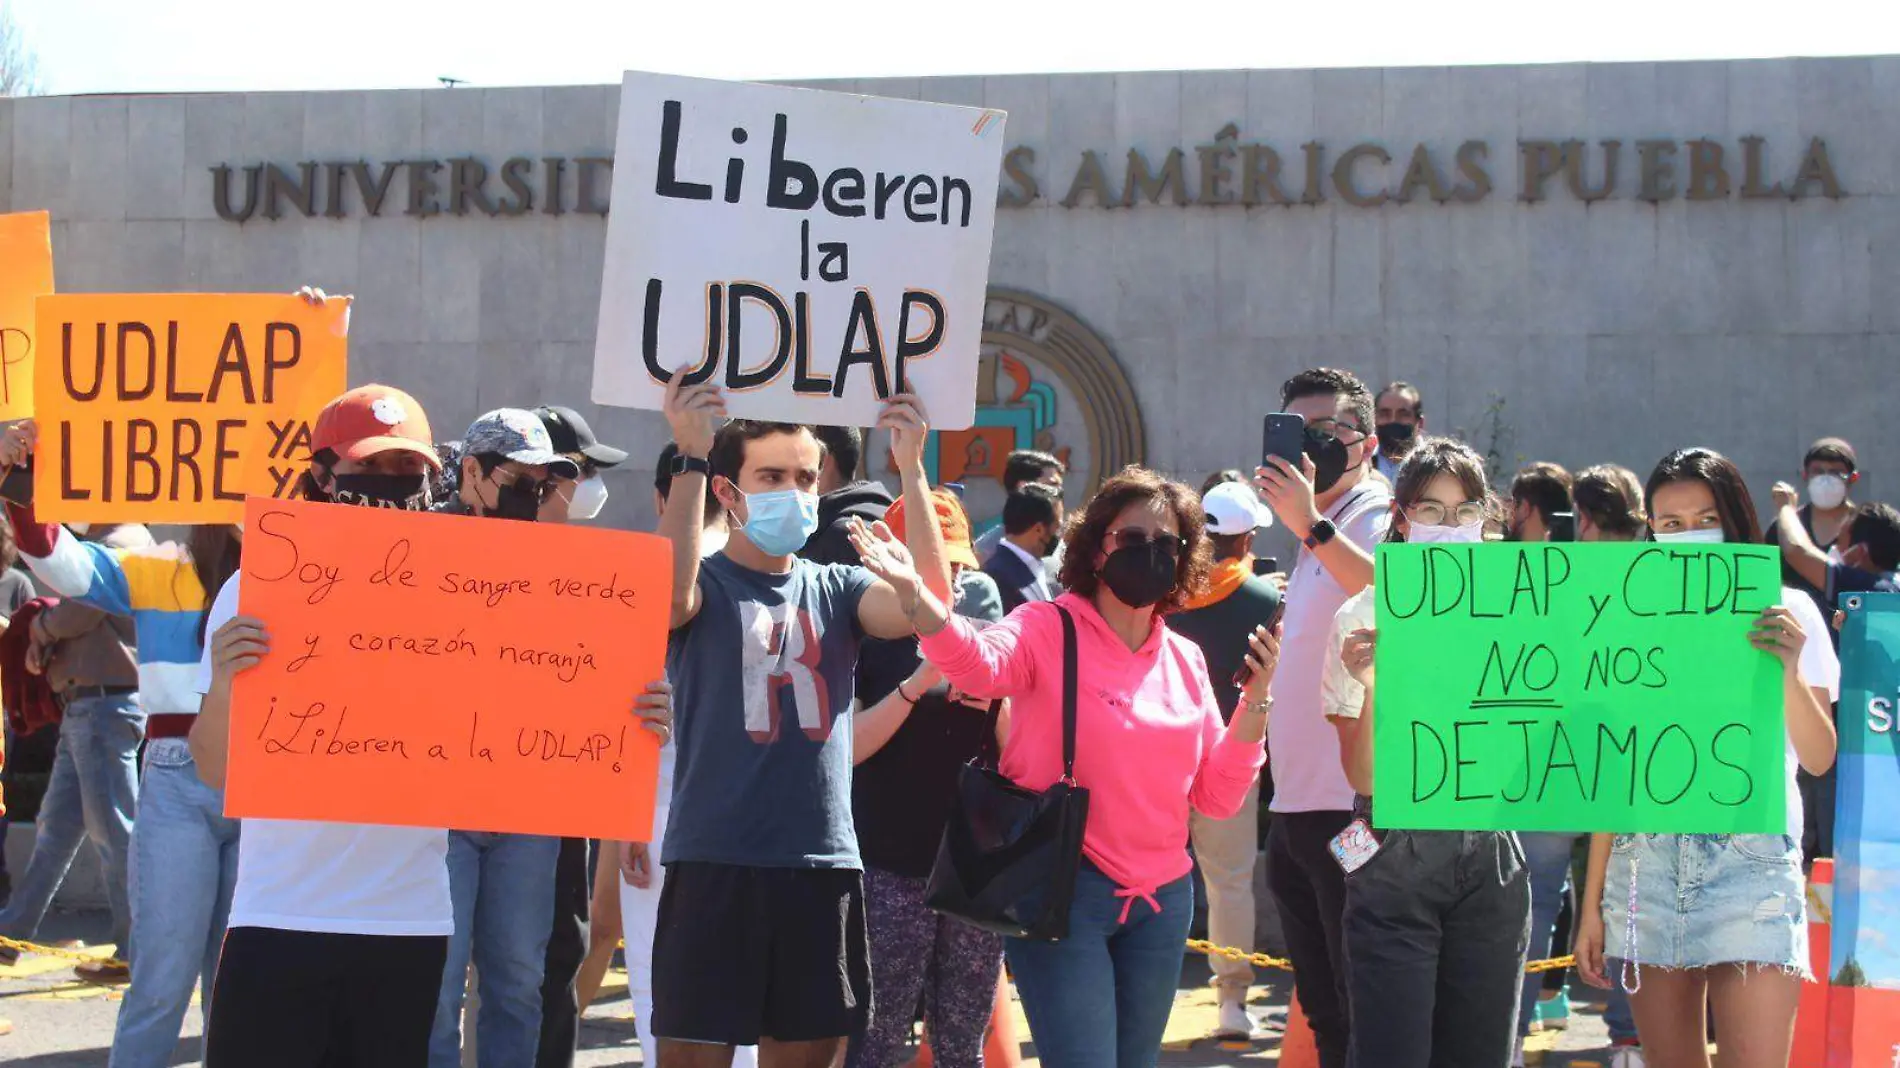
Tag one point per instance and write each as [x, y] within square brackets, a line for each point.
[1566, 687]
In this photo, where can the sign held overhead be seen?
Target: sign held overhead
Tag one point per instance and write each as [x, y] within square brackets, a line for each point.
[811, 253]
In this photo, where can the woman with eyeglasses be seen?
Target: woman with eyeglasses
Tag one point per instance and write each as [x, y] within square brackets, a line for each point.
[1149, 747]
[1437, 922]
[1697, 921]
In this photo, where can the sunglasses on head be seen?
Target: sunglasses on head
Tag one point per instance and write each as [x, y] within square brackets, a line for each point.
[1136, 538]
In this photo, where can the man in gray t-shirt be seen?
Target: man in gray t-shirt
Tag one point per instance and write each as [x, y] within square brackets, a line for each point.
[761, 931]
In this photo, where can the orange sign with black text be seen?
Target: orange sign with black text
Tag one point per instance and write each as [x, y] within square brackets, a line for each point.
[173, 408]
[448, 671]
[26, 274]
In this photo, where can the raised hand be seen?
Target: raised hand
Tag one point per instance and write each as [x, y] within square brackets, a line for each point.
[909, 426]
[1263, 657]
[16, 447]
[690, 411]
[1785, 496]
[1288, 490]
[1357, 654]
[237, 646]
[654, 710]
[1778, 633]
[883, 555]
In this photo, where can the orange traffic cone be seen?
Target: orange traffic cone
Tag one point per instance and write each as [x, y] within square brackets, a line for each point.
[1298, 1049]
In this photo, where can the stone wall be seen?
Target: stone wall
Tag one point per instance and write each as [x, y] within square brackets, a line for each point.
[1607, 331]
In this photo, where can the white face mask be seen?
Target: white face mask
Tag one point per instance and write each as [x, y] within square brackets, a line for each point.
[1827, 491]
[1468, 534]
[590, 496]
[1691, 537]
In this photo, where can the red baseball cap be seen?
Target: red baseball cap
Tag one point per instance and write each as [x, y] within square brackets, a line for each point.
[372, 419]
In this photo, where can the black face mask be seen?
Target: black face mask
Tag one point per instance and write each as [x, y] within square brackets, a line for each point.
[1394, 437]
[1329, 460]
[518, 500]
[1140, 575]
[404, 493]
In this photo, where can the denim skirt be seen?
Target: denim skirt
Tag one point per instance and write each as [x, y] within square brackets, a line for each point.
[1698, 900]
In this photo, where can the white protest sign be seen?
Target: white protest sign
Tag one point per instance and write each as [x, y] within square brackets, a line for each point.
[810, 252]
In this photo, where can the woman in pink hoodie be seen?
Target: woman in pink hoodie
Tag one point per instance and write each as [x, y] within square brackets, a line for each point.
[1149, 746]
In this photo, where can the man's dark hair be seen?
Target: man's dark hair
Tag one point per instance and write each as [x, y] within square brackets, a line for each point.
[1030, 504]
[1221, 478]
[1544, 486]
[1831, 450]
[1409, 392]
[845, 445]
[663, 481]
[1328, 382]
[728, 451]
[1230, 546]
[1877, 526]
[1027, 465]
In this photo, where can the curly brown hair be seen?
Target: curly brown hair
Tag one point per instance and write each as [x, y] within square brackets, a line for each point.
[1138, 485]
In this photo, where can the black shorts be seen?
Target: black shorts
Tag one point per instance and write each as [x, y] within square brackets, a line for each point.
[741, 954]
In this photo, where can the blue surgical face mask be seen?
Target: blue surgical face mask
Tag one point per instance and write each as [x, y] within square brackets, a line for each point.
[1711, 536]
[781, 522]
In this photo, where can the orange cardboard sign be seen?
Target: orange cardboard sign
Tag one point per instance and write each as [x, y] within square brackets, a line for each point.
[448, 671]
[26, 274]
[173, 408]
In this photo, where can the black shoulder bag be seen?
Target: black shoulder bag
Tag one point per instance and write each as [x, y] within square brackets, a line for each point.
[1009, 855]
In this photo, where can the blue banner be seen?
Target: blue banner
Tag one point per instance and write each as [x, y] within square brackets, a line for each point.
[1866, 937]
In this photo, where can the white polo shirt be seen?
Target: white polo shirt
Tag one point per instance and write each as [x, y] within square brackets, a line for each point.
[334, 878]
[1302, 747]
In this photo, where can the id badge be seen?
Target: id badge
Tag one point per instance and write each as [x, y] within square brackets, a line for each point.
[1354, 846]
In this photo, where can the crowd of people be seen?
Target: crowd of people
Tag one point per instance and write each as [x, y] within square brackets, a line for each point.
[837, 656]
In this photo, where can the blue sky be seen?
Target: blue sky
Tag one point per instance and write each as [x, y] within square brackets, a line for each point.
[90, 46]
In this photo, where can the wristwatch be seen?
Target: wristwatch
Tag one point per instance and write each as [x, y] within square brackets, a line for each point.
[1321, 533]
[690, 465]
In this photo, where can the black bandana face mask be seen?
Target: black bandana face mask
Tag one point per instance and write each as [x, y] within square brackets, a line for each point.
[1329, 459]
[1395, 437]
[403, 493]
[1140, 575]
[519, 500]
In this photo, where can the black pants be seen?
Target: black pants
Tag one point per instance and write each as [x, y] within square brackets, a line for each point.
[293, 999]
[1438, 924]
[567, 948]
[1311, 892]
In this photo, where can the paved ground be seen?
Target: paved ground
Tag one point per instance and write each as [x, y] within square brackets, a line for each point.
[61, 1023]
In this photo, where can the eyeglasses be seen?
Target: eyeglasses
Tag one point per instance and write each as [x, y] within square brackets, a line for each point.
[1320, 431]
[1434, 514]
[542, 490]
[1138, 537]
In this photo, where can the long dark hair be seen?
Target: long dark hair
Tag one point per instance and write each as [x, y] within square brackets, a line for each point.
[1431, 458]
[214, 551]
[1138, 485]
[1725, 483]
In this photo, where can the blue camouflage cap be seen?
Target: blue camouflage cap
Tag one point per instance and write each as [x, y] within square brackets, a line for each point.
[517, 435]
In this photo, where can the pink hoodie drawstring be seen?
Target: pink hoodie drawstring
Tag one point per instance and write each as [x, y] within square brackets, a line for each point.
[1130, 895]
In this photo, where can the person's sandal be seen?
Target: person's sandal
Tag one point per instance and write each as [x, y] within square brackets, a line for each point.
[104, 972]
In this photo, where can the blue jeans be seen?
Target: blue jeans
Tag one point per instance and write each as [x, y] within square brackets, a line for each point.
[1548, 857]
[184, 866]
[1100, 998]
[93, 794]
[502, 886]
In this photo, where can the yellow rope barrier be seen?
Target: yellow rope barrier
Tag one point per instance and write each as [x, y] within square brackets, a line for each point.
[68, 954]
[1261, 960]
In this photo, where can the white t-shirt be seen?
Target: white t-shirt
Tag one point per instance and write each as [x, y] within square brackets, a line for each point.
[1341, 696]
[1820, 667]
[1302, 746]
[334, 878]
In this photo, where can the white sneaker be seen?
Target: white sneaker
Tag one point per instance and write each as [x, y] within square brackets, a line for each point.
[1234, 1021]
[1626, 1057]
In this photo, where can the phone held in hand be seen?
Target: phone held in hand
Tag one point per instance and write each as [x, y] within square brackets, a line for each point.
[1563, 526]
[1284, 436]
[1265, 565]
[1243, 673]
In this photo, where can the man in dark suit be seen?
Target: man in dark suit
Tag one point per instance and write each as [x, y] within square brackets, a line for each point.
[1032, 526]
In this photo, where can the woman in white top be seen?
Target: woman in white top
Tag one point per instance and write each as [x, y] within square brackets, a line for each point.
[1694, 921]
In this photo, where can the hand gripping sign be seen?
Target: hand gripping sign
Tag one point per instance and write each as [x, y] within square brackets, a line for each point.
[812, 253]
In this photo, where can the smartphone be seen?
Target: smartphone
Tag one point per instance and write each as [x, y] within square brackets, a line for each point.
[17, 486]
[1285, 437]
[1243, 673]
[1265, 565]
[1563, 526]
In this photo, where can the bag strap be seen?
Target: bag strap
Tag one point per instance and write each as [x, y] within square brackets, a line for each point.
[989, 754]
[1068, 695]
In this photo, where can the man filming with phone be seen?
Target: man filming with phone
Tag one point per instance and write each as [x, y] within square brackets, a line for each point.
[1221, 621]
[1325, 496]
